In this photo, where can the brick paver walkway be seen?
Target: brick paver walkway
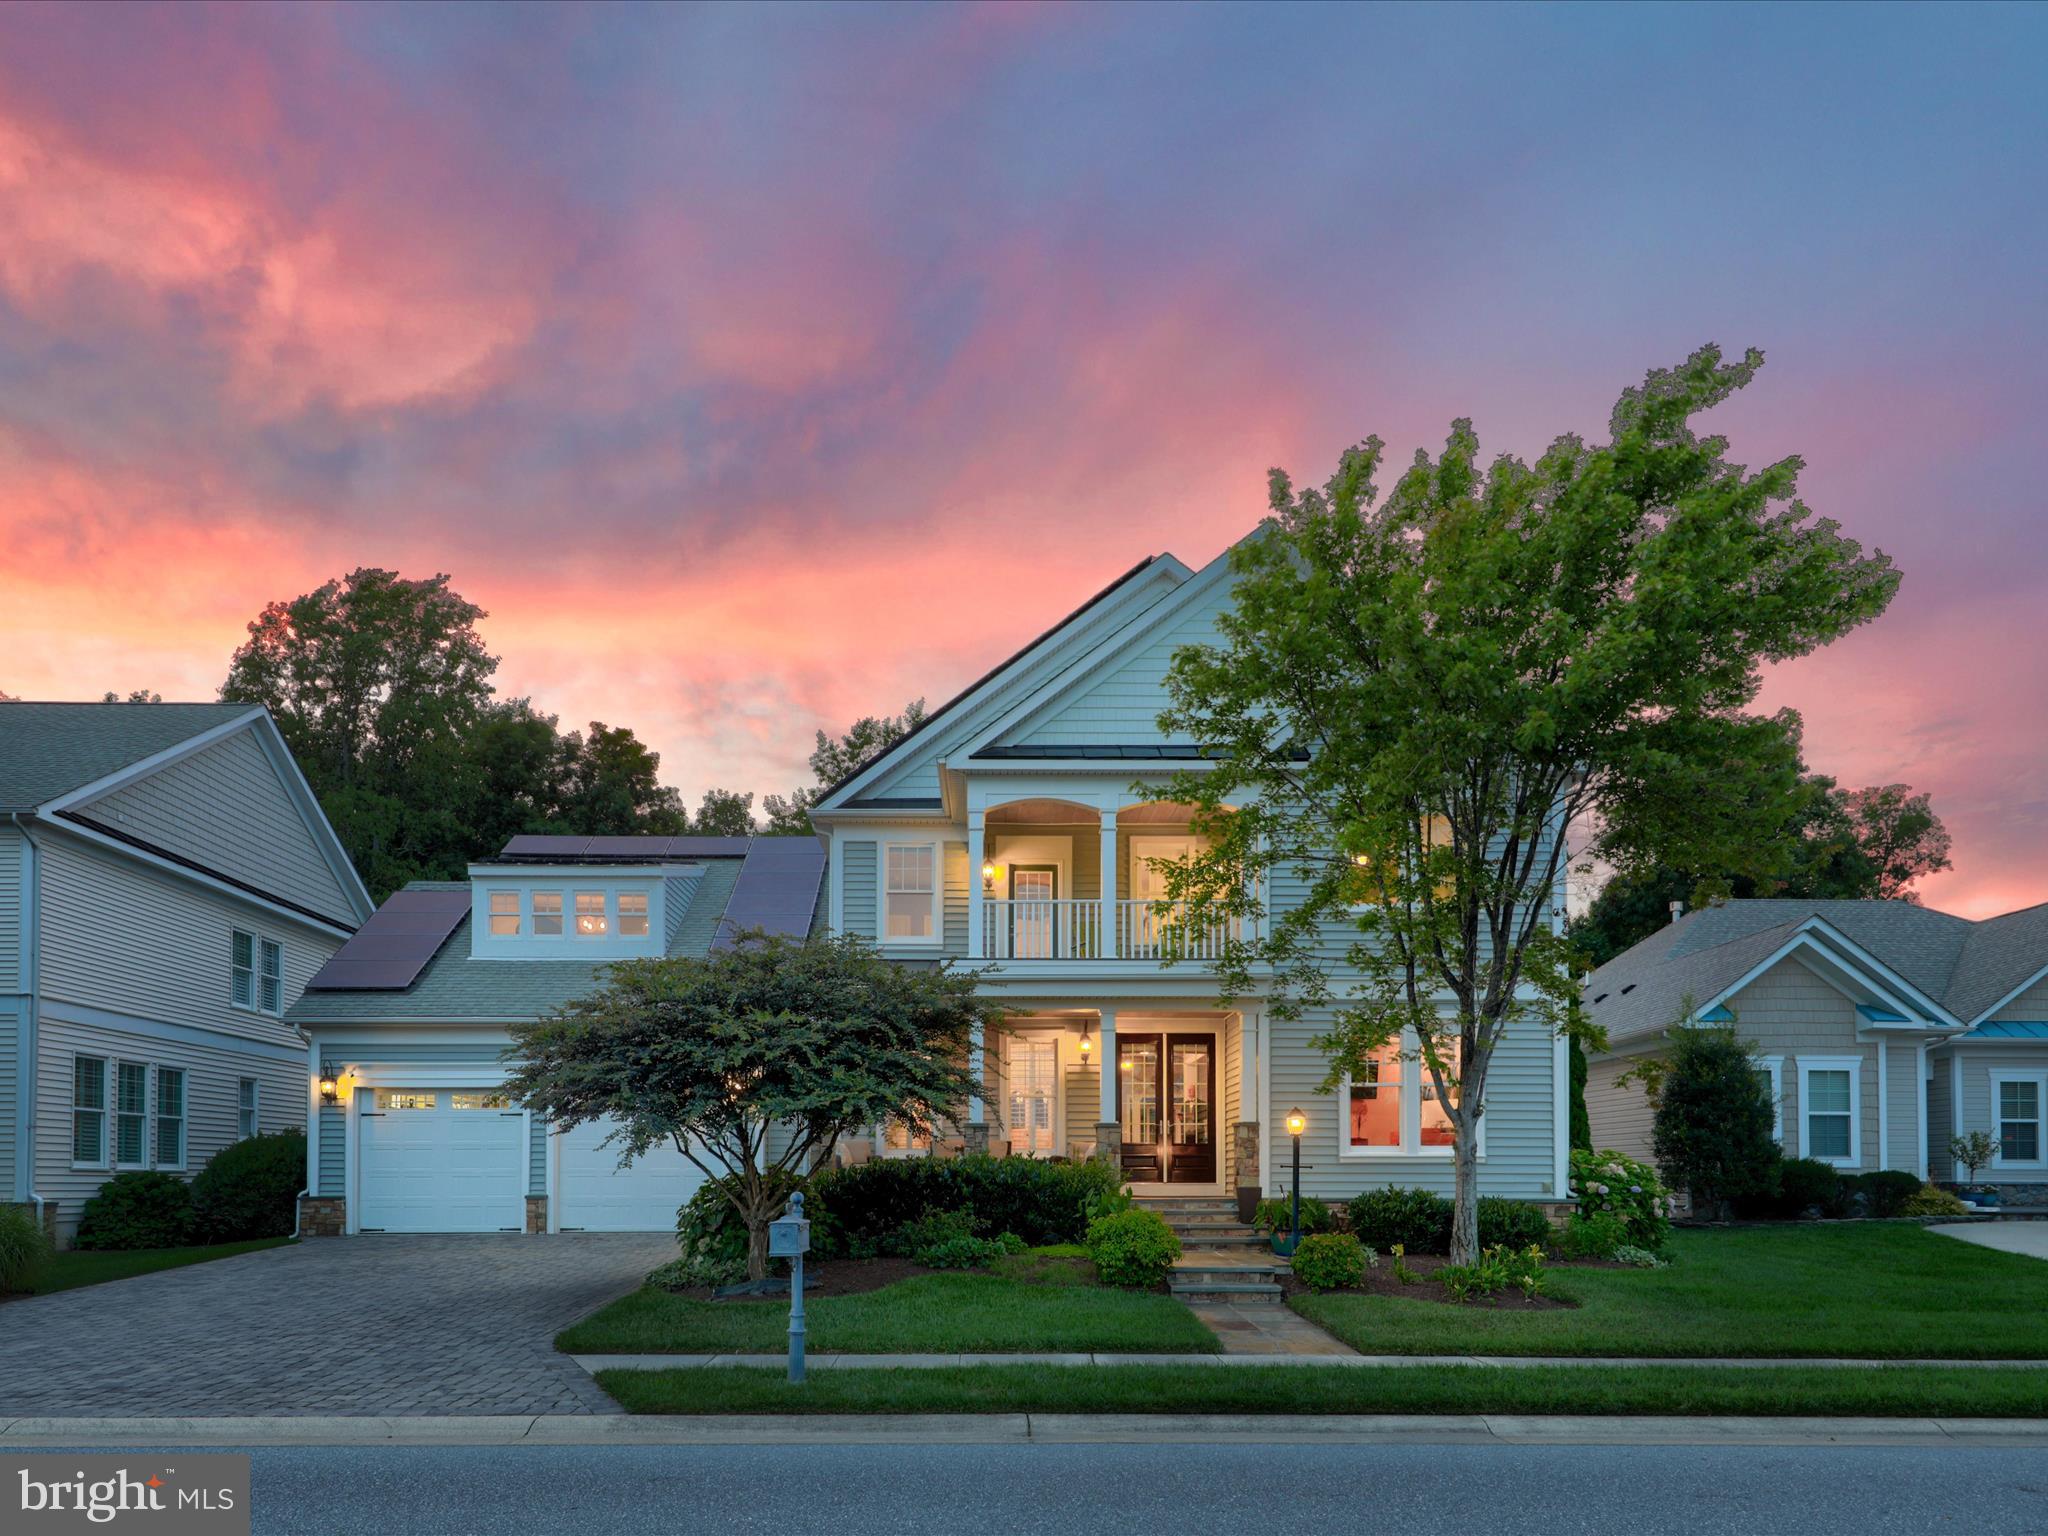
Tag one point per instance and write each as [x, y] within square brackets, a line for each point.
[333, 1326]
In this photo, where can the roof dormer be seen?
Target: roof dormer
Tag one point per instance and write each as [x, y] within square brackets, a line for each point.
[553, 912]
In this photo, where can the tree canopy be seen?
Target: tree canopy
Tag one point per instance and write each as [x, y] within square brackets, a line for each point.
[836, 758]
[808, 1039]
[1420, 709]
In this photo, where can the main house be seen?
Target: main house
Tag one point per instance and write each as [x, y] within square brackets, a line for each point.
[1883, 1028]
[167, 886]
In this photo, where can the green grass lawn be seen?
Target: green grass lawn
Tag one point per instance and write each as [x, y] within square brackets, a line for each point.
[927, 1314]
[74, 1267]
[1864, 1289]
[1756, 1390]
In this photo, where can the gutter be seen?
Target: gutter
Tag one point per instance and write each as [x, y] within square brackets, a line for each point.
[30, 1068]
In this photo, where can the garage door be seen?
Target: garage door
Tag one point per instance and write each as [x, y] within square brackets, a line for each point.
[597, 1195]
[440, 1160]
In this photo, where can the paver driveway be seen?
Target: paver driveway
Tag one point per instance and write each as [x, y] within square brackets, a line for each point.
[361, 1325]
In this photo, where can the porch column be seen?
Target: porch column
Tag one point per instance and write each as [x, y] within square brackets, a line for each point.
[1109, 1132]
[1111, 946]
[975, 858]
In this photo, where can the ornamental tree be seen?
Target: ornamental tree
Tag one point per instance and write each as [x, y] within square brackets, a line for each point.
[808, 1039]
[1419, 711]
[1713, 1123]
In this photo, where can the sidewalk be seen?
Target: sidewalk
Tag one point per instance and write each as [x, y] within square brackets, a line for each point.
[596, 1363]
[1016, 1428]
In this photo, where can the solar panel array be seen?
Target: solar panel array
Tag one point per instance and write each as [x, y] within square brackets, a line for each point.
[579, 849]
[777, 890]
[394, 946]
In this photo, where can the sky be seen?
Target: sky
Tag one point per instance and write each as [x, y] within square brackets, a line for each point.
[759, 368]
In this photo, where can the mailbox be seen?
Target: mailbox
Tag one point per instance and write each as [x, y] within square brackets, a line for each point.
[790, 1237]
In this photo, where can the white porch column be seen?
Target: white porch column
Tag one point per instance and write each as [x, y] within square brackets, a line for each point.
[976, 917]
[1110, 942]
[1105, 1043]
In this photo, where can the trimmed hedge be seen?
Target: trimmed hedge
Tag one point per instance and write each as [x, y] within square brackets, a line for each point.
[1132, 1249]
[138, 1210]
[861, 1211]
[1329, 1261]
[1420, 1221]
[250, 1189]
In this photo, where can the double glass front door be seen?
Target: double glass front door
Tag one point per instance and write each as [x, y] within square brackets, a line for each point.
[1166, 1100]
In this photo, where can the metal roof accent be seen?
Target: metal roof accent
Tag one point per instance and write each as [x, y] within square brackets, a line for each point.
[390, 950]
[2011, 1029]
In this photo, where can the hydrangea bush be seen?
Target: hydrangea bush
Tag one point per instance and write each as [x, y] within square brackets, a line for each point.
[1610, 1184]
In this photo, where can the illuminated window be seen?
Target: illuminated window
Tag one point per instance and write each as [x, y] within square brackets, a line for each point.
[909, 892]
[479, 1101]
[590, 916]
[632, 914]
[404, 1099]
[1376, 1102]
[504, 914]
[899, 1140]
[1392, 1105]
[547, 914]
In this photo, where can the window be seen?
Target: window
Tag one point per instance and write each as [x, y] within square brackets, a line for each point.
[170, 1117]
[1830, 1118]
[899, 1140]
[257, 968]
[2017, 1104]
[1392, 1107]
[242, 959]
[1366, 881]
[909, 893]
[131, 1113]
[504, 914]
[633, 914]
[547, 914]
[402, 1099]
[1769, 1075]
[1376, 1102]
[1434, 1128]
[89, 1110]
[247, 1119]
[479, 1101]
[590, 917]
[270, 975]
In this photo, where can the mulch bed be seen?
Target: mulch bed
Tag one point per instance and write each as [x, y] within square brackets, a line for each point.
[1379, 1281]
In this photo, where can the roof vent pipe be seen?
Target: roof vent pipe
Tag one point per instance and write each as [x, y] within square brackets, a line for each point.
[1677, 910]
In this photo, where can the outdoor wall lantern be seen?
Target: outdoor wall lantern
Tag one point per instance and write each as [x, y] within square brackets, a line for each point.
[330, 1091]
[1087, 1045]
[990, 873]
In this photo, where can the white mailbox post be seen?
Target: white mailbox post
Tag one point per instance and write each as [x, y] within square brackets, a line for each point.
[790, 1238]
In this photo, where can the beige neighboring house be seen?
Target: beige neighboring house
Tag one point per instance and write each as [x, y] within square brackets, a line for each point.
[1885, 1028]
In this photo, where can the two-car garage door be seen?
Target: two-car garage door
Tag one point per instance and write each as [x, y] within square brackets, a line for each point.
[458, 1160]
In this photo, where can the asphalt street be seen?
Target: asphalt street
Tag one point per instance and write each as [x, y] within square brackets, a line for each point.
[1416, 1490]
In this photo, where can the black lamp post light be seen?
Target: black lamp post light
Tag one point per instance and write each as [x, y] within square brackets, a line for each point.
[1285, 1245]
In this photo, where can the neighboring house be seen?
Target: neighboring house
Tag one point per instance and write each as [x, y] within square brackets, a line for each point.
[1017, 827]
[167, 885]
[1884, 1028]
[408, 1024]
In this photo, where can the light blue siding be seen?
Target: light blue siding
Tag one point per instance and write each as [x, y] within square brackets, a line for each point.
[862, 881]
[954, 905]
[10, 1097]
[333, 1150]
[13, 910]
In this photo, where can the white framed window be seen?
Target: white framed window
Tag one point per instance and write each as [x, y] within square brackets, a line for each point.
[1770, 1076]
[504, 914]
[547, 914]
[1831, 1109]
[89, 1111]
[242, 964]
[592, 922]
[632, 914]
[256, 969]
[2017, 1108]
[910, 893]
[131, 1114]
[248, 1115]
[1392, 1108]
[270, 976]
[169, 1139]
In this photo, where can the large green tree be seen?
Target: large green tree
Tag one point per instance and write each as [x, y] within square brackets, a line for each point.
[1420, 709]
[752, 1061]
[835, 758]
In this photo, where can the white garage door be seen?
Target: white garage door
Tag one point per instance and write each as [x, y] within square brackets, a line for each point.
[597, 1195]
[440, 1160]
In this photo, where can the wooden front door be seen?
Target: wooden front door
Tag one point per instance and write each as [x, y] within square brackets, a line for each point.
[1166, 1086]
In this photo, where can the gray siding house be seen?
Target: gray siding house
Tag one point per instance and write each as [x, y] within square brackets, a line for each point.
[168, 885]
[1884, 1028]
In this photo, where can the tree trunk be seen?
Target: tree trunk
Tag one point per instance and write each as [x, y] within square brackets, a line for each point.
[1465, 1211]
[757, 1245]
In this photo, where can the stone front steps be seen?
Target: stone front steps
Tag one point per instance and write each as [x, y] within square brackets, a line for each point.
[1206, 1222]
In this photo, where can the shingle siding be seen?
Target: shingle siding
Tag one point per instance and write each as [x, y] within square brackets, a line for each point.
[1975, 1066]
[225, 808]
[2029, 1007]
[1620, 1113]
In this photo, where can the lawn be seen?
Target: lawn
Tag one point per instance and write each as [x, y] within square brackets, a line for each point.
[927, 1314]
[1861, 1289]
[1902, 1391]
[75, 1267]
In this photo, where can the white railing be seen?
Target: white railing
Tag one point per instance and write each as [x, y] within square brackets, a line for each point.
[1036, 929]
[1146, 932]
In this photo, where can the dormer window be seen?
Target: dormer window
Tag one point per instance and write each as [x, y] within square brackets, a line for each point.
[547, 914]
[504, 914]
[633, 914]
[591, 922]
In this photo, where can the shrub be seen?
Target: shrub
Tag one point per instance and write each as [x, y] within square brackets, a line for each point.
[1277, 1216]
[1512, 1224]
[1712, 1130]
[1329, 1261]
[1639, 1258]
[1805, 1184]
[1607, 1183]
[23, 1247]
[1415, 1219]
[1885, 1192]
[1497, 1269]
[1133, 1249]
[1973, 1151]
[138, 1210]
[860, 1210]
[713, 1235]
[1600, 1235]
[250, 1188]
[1929, 1201]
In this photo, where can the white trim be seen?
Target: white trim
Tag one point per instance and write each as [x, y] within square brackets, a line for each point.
[1922, 1081]
[157, 1070]
[1857, 962]
[1884, 1107]
[1059, 1132]
[1412, 1082]
[1853, 1065]
[2002, 1075]
[1561, 1118]
[1955, 1113]
[2040, 975]
[936, 938]
[115, 1113]
[313, 1121]
[1775, 1066]
[105, 1112]
[255, 1108]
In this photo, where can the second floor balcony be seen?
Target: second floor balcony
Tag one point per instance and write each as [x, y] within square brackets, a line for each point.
[1083, 928]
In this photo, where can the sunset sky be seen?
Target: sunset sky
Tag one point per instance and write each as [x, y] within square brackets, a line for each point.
[759, 368]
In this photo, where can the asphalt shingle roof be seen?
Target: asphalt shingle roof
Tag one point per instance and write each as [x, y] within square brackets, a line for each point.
[47, 750]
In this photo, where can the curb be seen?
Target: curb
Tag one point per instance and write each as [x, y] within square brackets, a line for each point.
[1025, 1429]
[815, 1362]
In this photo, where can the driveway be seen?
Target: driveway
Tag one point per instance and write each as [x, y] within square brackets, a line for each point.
[358, 1325]
[2027, 1237]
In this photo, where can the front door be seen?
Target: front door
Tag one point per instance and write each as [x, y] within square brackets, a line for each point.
[1167, 1102]
[1034, 911]
[1033, 1095]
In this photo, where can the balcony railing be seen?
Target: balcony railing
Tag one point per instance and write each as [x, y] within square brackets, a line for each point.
[1072, 930]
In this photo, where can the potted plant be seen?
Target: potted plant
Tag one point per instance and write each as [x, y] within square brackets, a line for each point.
[1975, 1151]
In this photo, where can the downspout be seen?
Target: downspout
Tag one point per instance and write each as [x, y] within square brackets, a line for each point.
[32, 1066]
[1924, 1062]
[312, 1149]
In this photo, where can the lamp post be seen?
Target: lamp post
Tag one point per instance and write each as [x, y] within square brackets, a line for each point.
[1297, 1122]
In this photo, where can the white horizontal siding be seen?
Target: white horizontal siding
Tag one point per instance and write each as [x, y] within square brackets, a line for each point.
[11, 1015]
[13, 909]
[227, 809]
[1123, 704]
